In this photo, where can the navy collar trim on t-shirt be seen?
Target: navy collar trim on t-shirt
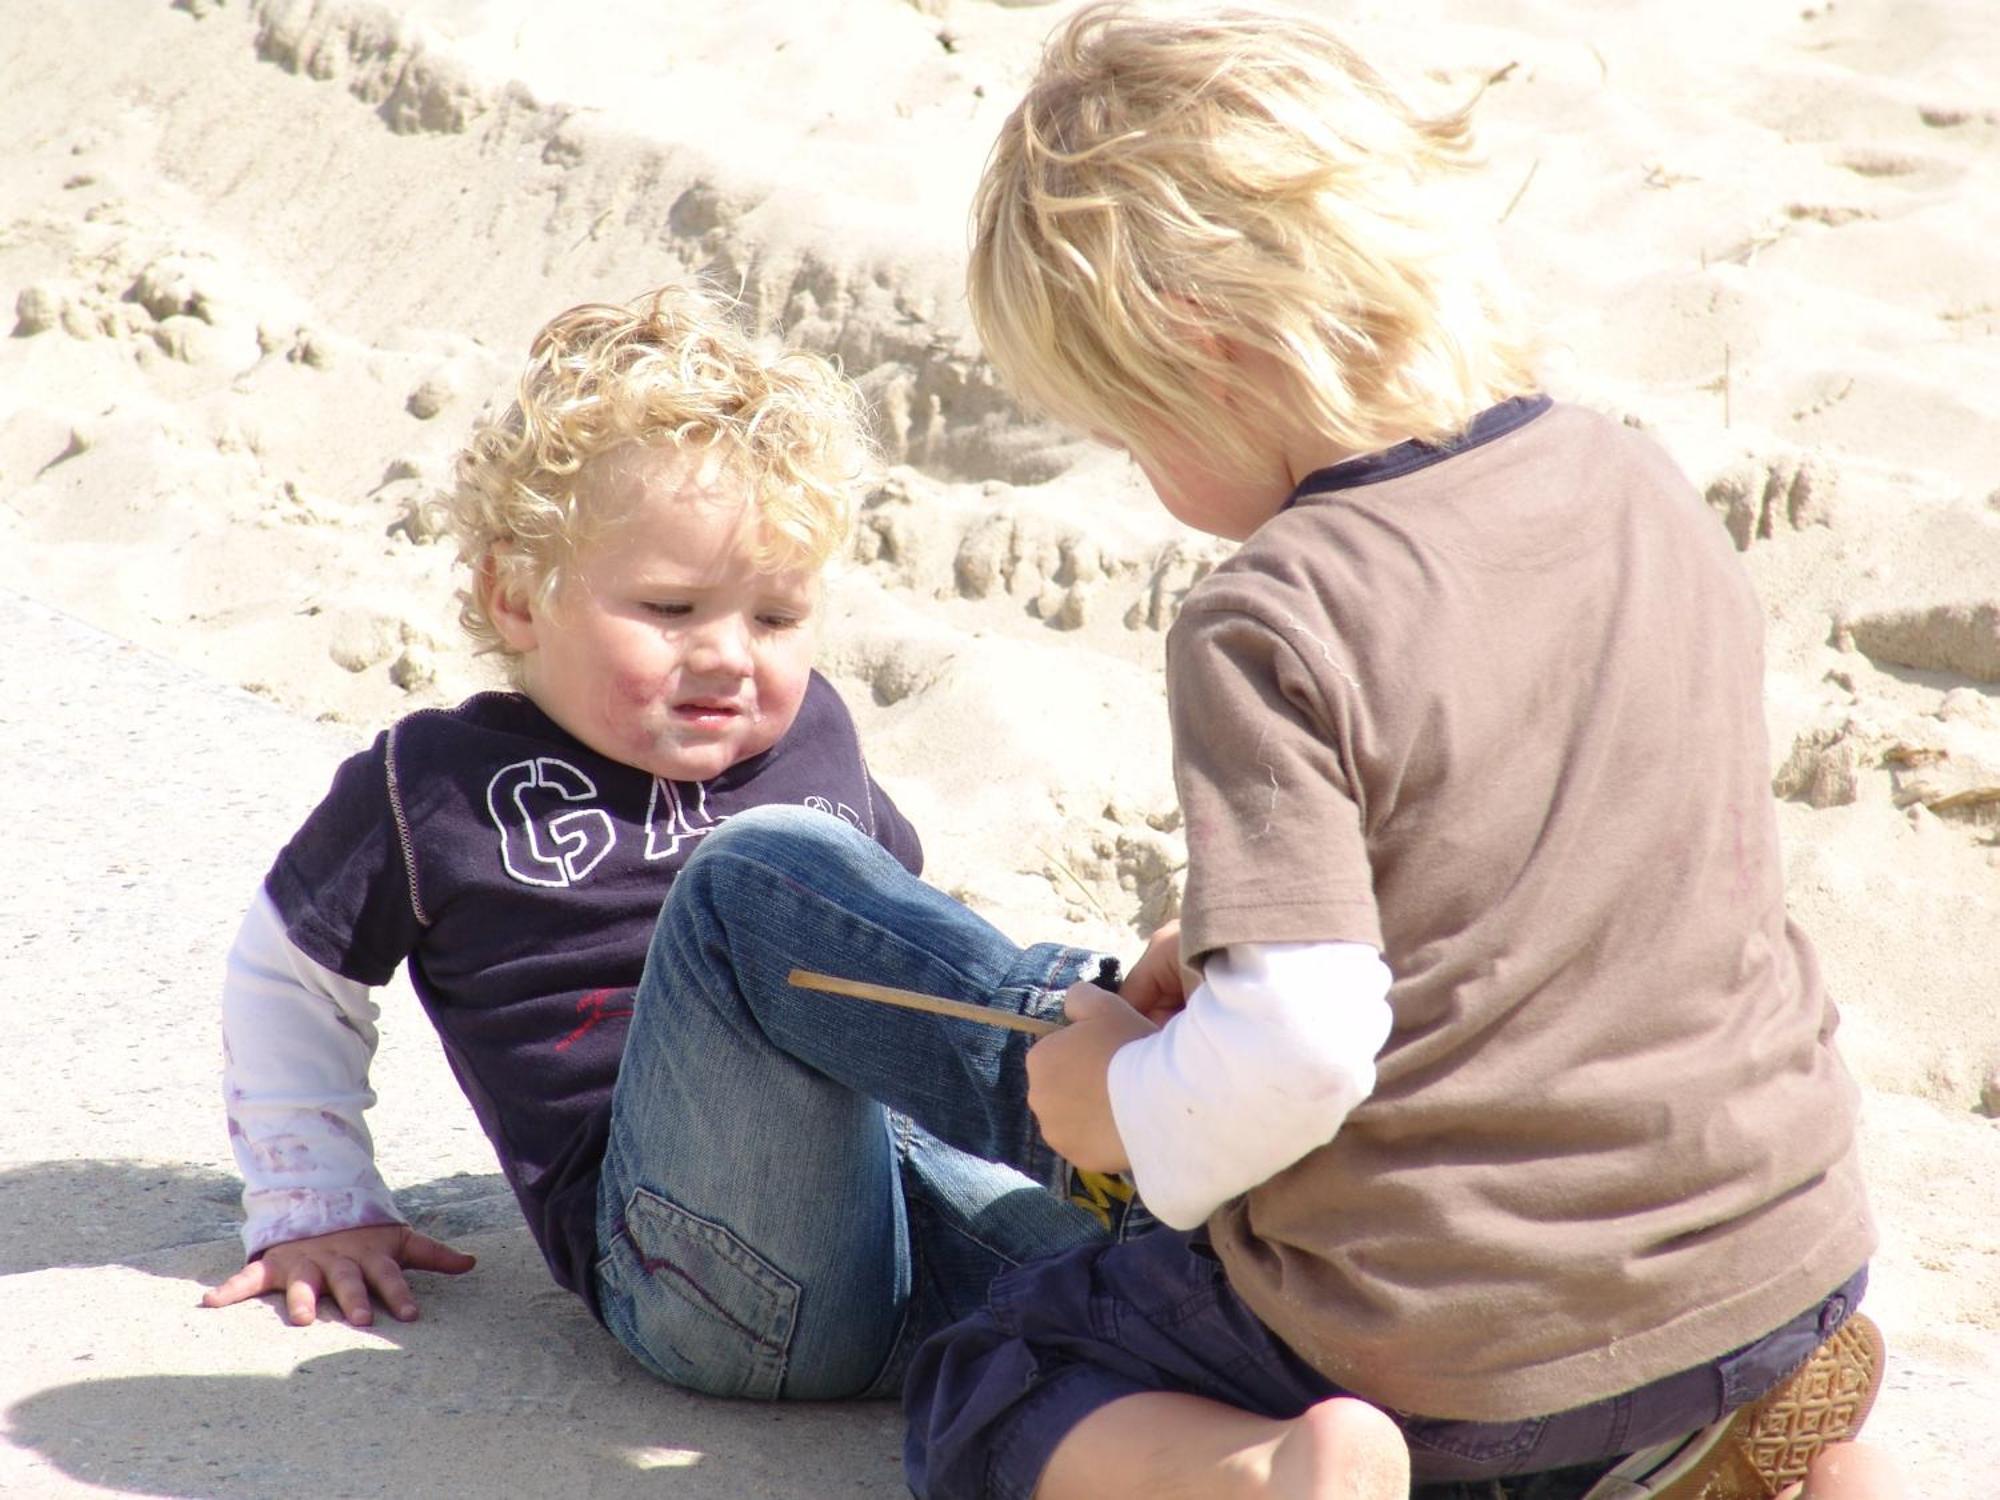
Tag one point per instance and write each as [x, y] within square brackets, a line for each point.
[1407, 458]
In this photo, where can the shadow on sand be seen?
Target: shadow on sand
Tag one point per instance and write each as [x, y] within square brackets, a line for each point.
[120, 1213]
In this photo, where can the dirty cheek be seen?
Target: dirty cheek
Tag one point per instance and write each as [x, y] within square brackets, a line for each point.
[637, 706]
[635, 690]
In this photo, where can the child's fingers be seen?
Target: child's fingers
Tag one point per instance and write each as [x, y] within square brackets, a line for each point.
[1066, 1078]
[383, 1274]
[422, 1253]
[1157, 973]
[1156, 1004]
[349, 1289]
[1084, 1001]
[250, 1281]
[385, 1278]
[302, 1289]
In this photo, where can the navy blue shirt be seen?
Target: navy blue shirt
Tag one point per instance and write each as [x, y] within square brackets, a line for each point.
[520, 874]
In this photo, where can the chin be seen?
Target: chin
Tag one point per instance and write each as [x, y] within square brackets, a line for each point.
[694, 767]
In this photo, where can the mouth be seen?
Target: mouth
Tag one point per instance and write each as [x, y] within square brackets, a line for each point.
[709, 712]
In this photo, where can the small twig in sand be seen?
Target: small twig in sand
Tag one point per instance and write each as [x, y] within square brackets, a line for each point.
[1521, 191]
[935, 1005]
[1723, 383]
[1075, 880]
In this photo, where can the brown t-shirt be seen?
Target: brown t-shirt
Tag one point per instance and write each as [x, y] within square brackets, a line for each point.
[1500, 713]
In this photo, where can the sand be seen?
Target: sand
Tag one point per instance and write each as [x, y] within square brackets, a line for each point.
[266, 258]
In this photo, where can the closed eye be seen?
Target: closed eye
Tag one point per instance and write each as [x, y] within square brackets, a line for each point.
[667, 611]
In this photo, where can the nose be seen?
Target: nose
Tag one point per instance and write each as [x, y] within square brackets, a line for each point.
[722, 648]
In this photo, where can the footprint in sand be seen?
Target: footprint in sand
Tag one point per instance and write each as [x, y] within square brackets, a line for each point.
[1904, 169]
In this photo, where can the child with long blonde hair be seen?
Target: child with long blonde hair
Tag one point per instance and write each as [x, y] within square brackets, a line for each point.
[1486, 1092]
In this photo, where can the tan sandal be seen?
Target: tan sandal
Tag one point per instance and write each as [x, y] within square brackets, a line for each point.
[1760, 1450]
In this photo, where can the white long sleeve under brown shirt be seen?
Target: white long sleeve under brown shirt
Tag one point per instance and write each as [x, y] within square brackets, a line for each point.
[1498, 712]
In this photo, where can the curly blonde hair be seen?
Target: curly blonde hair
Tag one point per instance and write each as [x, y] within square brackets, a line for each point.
[1176, 177]
[673, 367]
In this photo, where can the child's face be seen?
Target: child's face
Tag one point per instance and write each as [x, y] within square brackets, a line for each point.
[666, 646]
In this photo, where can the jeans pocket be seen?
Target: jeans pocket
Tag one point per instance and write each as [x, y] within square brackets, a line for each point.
[694, 1304]
[1469, 1450]
[1758, 1367]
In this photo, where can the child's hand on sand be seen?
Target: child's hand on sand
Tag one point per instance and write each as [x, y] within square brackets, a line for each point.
[347, 1265]
[1068, 1085]
[1156, 987]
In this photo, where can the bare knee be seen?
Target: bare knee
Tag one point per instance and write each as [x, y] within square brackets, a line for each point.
[1853, 1471]
[1374, 1459]
[1358, 1424]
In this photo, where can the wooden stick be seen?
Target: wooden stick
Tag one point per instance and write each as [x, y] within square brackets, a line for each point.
[936, 1005]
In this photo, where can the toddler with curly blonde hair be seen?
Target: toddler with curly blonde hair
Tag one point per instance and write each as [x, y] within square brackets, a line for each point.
[669, 371]
[644, 529]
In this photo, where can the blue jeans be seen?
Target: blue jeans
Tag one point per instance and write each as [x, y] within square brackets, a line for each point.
[799, 1187]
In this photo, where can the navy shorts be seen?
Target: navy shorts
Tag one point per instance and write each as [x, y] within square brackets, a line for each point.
[988, 1399]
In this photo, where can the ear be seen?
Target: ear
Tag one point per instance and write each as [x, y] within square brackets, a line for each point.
[507, 604]
[1220, 360]
[1196, 327]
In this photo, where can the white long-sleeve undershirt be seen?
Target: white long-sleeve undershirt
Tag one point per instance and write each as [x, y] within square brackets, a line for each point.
[297, 1043]
[1273, 1049]
[1275, 1046]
